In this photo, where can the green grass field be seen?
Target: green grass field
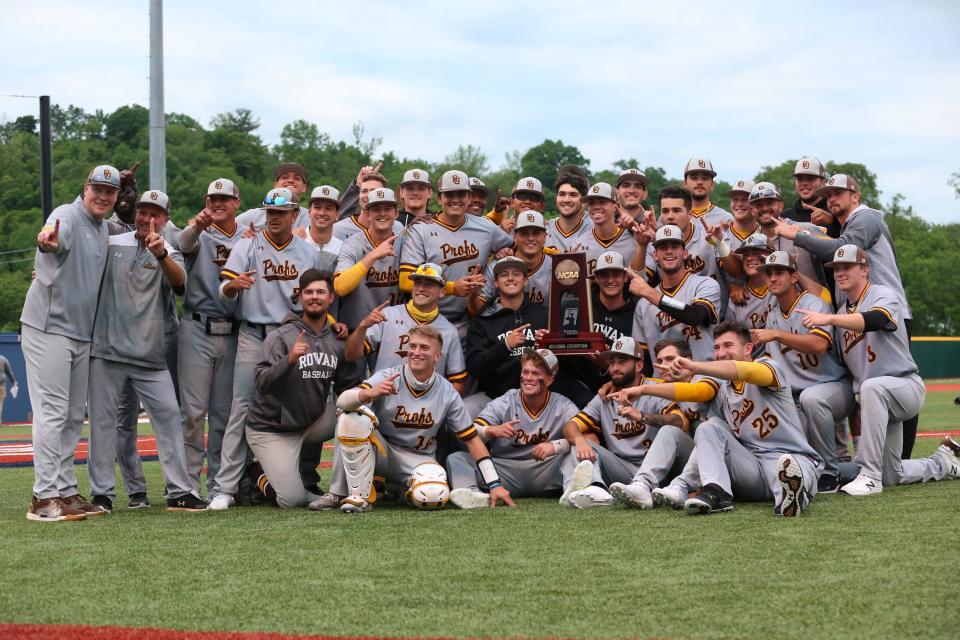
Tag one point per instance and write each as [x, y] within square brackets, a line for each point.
[884, 566]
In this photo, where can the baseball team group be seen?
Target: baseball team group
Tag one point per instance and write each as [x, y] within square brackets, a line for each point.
[760, 354]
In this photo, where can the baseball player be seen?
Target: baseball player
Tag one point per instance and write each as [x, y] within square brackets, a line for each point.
[261, 273]
[355, 201]
[57, 329]
[524, 432]
[876, 349]
[530, 235]
[755, 449]
[323, 204]
[606, 234]
[461, 244]
[385, 331]
[863, 227]
[6, 377]
[632, 192]
[698, 175]
[682, 306]
[767, 205]
[809, 177]
[627, 432]
[758, 301]
[527, 195]
[368, 268]
[415, 193]
[128, 345]
[744, 224]
[670, 451]
[810, 361]
[411, 404]
[566, 232]
[294, 178]
[208, 332]
[498, 335]
[478, 197]
[302, 359]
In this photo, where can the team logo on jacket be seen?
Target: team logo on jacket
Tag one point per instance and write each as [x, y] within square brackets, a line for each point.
[453, 254]
[388, 278]
[220, 255]
[285, 271]
[523, 439]
[628, 429]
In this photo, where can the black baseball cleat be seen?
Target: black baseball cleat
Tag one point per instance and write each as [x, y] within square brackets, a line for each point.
[712, 499]
[186, 502]
[793, 495]
[104, 503]
[138, 501]
[828, 484]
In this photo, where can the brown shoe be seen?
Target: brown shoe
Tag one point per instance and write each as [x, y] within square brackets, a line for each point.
[52, 510]
[79, 503]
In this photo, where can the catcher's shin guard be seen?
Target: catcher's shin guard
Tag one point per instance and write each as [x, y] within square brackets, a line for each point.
[354, 431]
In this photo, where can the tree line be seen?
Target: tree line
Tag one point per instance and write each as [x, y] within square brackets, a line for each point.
[928, 254]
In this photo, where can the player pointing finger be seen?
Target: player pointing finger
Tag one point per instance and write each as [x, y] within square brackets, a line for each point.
[299, 348]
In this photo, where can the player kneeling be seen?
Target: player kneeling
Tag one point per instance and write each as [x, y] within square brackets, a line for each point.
[754, 448]
[524, 430]
[408, 405]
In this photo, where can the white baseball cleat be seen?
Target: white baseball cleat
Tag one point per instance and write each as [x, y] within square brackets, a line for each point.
[592, 496]
[951, 450]
[355, 505]
[580, 479]
[469, 498]
[793, 495]
[673, 495]
[221, 502]
[862, 486]
[635, 494]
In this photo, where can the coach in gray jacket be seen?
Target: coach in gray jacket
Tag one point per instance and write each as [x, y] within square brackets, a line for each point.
[302, 358]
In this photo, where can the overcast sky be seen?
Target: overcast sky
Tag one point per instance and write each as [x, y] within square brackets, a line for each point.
[746, 85]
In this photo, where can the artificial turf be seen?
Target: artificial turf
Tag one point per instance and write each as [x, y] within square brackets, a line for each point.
[882, 566]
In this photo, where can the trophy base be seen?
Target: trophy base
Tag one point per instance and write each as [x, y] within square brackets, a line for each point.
[578, 345]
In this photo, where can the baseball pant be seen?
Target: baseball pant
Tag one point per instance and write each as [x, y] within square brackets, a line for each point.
[821, 407]
[206, 367]
[885, 402]
[747, 476]
[3, 399]
[527, 478]
[128, 416]
[312, 451]
[233, 450]
[396, 468]
[279, 455]
[666, 458]
[155, 387]
[57, 374]
[613, 467]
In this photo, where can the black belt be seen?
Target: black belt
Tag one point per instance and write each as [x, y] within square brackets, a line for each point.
[262, 329]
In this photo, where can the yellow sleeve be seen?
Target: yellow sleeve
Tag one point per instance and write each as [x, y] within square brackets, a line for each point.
[701, 391]
[406, 284]
[674, 409]
[494, 217]
[825, 296]
[345, 282]
[757, 373]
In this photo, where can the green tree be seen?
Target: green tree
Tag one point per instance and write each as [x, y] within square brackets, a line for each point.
[542, 162]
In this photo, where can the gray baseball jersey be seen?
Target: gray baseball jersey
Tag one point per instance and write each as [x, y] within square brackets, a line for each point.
[805, 262]
[332, 247]
[627, 438]
[753, 314]
[259, 219]
[764, 419]
[538, 282]
[701, 260]
[622, 242]
[204, 265]
[535, 426]
[713, 214]
[381, 283]
[804, 369]
[461, 251]
[276, 289]
[412, 419]
[62, 299]
[572, 242]
[389, 340]
[651, 324]
[130, 313]
[735, 239]
[877, 353]
[343, 229]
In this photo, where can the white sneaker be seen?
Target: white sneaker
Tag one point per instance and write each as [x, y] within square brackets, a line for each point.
[469, 498]
[635, 494]
[793, 495]
[951, 450]
[673, 495]
[592, 496]
[862, 486]
[221, 502]
[580, 479]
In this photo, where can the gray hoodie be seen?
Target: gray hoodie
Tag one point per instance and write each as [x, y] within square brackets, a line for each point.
[290, 398]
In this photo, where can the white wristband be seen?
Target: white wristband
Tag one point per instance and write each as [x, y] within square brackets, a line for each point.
[673, 303]
[560, 446]
[488, 472]
[723, 249]
[482, 431]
